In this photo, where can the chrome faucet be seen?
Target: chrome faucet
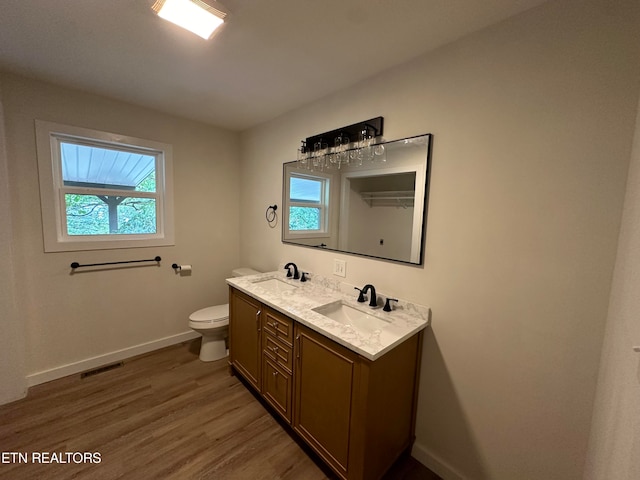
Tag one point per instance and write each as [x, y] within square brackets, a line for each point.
[372, 301]
[296, 274]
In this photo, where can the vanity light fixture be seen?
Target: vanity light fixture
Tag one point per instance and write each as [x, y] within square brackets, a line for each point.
[193, 15]
[348, 145]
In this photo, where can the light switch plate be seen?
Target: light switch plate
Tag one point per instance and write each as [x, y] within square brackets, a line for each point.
[339, 267]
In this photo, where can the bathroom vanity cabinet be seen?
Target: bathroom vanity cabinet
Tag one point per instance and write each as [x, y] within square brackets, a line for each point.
[358, 415]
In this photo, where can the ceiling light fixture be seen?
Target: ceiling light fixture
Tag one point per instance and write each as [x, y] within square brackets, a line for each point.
[193, 15]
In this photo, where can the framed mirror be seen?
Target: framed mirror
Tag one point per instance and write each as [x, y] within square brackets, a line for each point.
[371, 201]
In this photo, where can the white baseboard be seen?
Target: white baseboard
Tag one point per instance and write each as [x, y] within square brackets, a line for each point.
[434, 463]
[16, 393]
[100, 360]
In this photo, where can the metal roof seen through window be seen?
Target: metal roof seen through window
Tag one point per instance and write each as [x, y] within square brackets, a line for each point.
[82, 164]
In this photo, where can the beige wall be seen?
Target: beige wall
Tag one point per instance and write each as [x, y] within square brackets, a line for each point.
[532, 121]
[72, 318]
[12, 366]
[615, 433]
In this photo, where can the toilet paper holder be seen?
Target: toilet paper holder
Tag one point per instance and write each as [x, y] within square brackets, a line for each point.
[181, 268]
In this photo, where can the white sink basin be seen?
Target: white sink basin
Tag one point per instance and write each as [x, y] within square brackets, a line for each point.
[360, 320]
[275, 285]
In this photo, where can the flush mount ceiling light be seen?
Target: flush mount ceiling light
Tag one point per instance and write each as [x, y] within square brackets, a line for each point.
[193, 15]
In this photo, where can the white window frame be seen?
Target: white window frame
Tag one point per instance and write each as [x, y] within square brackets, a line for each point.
[323, 232]
[52, 189]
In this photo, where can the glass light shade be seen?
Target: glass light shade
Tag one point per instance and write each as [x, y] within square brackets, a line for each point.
[192, 15]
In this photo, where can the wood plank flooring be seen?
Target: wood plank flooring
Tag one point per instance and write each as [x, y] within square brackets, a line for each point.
[164, 415]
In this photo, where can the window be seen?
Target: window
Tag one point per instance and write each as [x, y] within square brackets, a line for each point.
[101, 190]
[307, 205]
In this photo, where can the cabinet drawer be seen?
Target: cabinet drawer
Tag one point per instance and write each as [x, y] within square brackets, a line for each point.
[278, 325]
[277, 351]
[277, 388]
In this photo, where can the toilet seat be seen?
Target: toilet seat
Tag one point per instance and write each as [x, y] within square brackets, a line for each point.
[210, 317]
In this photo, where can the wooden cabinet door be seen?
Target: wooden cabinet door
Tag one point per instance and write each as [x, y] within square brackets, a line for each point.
[244, 336]
[324, 396]
[276, 388]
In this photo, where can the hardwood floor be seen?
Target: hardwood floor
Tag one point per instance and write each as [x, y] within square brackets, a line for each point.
[163, 415]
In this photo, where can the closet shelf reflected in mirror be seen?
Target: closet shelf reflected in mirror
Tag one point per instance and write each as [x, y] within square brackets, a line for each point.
[393, 198]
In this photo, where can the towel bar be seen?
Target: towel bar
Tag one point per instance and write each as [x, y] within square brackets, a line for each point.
[75, 265]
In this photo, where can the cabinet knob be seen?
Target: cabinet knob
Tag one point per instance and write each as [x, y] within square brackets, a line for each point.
[275, 373]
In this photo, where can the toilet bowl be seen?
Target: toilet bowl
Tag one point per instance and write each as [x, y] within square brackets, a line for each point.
[213, 324]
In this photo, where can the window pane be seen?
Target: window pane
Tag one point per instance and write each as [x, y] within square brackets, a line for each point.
[98, 167]
[137, 215]
[305, 190]
[304, 218]
[104, 215]
[86, 215]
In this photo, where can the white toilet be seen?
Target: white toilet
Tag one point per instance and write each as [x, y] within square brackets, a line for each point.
[213, 324]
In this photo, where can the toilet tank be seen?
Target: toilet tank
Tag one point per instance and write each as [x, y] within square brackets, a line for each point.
[243, 272]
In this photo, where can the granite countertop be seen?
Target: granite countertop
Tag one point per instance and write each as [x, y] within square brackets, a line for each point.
[404, 321]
